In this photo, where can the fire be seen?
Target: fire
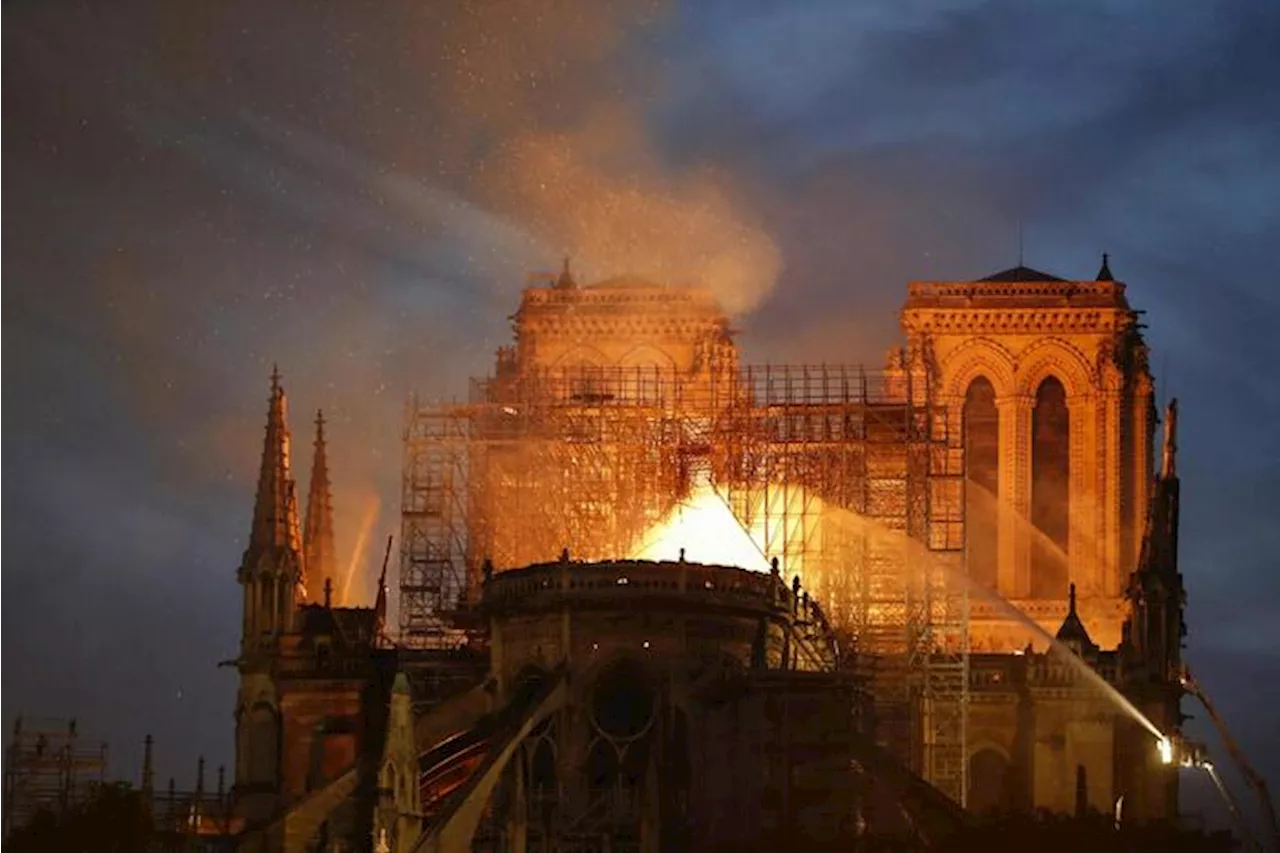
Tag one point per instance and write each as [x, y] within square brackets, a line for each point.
[705, 528]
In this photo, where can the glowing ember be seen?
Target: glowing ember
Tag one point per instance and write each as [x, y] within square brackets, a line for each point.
[706, 528]
[1165, 746]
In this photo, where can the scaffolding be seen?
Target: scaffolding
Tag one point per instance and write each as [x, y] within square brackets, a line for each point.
[50, 767]
[852, 480]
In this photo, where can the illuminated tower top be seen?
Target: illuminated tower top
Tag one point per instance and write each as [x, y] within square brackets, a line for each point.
[621, 322]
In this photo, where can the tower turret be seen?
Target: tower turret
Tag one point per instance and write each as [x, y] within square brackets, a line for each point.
[317, 536]
[271, 575]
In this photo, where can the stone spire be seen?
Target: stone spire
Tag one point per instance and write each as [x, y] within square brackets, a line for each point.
[1073, 632]
[275, 510]
[1104, 274]
[317, 536]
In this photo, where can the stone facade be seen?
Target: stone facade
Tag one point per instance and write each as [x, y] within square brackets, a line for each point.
[1017, 330]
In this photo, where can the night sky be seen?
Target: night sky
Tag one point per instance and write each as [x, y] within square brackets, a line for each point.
[357, 191]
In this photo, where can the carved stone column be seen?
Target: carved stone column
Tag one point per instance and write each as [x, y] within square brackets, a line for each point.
[1109, 454]
[1141, 473]
[1014, 579]
[1082, 563]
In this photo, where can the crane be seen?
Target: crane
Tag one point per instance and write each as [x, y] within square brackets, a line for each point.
[1251, 776]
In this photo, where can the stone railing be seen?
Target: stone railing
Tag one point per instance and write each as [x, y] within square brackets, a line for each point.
[548, 584]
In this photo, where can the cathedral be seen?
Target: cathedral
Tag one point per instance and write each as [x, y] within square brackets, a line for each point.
[968, 590]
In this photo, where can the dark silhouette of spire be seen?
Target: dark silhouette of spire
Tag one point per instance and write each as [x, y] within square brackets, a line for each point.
[148, 770]
[566, 278]
[317, 537]
[380, 603]
[1073, 630]
[1104, 274]
[275, 511]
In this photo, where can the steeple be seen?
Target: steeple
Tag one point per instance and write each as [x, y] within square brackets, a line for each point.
[1104, 274]
[271, 568]
[275, 509]
[317, 537]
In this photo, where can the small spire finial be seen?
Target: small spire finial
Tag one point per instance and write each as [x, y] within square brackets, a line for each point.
[1071, 599]
[328, 592]
[566, 276]
[1104, 274]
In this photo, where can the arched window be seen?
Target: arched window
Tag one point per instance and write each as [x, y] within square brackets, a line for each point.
[981, 465]
[989, 788]
[1050, 490]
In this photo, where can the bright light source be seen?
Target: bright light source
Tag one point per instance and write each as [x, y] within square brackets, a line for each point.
[702, 529]
[1165, 746]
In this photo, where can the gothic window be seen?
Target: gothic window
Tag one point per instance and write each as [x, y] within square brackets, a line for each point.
[989, 788]
[981, 464]
[1050, 490]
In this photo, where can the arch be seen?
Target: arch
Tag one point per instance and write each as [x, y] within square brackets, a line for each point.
[647, 355]
[542, 767]
[1050, 488]
[989, 780]
[623, 700]
[982, 481]
[580, 356]
[978, 357]
[645, 374]
[1058, 358]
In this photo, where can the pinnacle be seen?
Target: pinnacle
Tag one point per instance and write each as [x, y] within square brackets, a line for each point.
[275, 519]
[318, 547]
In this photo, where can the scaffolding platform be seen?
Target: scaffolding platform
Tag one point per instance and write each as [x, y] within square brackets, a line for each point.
[49, 766]
[851, 479]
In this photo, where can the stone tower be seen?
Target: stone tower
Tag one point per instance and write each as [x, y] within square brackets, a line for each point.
[1050, 379]
[270, 575]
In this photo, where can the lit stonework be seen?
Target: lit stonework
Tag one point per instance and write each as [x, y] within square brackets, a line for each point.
[1026, 332]
[621, 323]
